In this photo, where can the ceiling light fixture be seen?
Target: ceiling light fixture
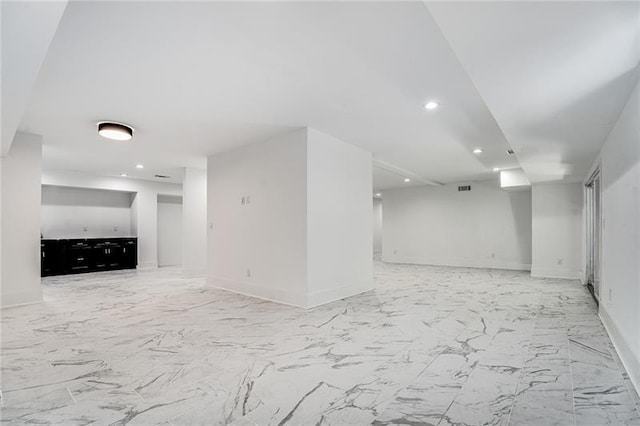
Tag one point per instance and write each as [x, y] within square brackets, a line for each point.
[431, 105]
[495, 169]
[115, 131]
[378, 194]
[477, 151]
[123, 175]
[139, 166]
[407, 180]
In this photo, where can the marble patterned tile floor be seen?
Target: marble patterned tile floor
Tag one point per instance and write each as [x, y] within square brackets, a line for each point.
[431, 345]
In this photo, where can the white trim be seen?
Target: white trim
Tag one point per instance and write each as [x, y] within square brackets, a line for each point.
[463, 263]
[256, 290]
[327, 296]
[628, 359]
[561, 273]
[17, 305]
[147, 265]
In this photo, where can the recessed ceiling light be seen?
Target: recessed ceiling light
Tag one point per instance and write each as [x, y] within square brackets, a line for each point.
[495, 169]
[431, 105]
[378, 194]
[407, 180]
[139, 166]
[477, 151]
[123, 175]
[115, 131]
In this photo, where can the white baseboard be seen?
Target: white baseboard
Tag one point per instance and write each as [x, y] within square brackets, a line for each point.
[147, 265]
[462, 263]
[20, 299]
[298, 300]
[327, 296]
[561, 273]
[630, 362]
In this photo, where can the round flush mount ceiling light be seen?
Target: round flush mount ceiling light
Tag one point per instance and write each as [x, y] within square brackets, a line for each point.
[477, 151]
[431, 105]
[378, 194]
[407, 180]
[115, 131]
[139, 166]
[496, 169]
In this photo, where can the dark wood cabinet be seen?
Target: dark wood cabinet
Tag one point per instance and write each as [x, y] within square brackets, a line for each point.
[52, 257]
[87, 255]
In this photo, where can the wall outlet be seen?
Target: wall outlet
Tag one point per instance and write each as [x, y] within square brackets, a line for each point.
[560, 261]
[248, 273]
[85, 229]
[115, 229]
[242, 201]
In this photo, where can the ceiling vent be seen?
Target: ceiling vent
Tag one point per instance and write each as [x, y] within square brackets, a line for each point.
[464, 188]
[162, 176]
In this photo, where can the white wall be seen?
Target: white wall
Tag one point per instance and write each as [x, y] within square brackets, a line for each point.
[169, 231]
[26, 31]
[339, 219]
[290, 219]
[144, 206]
[557, 230]
[195, 220]
[267, 236]
[146, 225]
[485, 227]
[20, 221]
[377, 226]
[85, 213]
[620, 279]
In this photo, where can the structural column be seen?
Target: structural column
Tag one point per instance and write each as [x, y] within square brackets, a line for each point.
[144, 224]
[20, 200]
[194, 219]
[290, 219]
[556, 230]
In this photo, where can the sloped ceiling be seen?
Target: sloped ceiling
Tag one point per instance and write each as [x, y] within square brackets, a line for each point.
[555, 75]
[547, 79]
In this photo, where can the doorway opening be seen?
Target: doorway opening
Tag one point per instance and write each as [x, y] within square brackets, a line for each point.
[377, 228]
[169, 230]
[593, 234]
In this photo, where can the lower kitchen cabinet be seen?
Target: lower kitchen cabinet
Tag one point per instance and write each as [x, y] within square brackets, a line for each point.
[72, 256]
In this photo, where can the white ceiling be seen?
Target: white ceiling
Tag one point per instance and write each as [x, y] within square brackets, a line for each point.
[199, 78]
[555, 75]
[18, 71]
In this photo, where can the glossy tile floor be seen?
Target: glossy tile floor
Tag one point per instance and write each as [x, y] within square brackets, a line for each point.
[431, 345]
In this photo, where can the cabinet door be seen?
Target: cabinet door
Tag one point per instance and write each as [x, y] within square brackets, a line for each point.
[50, 258]
[99, 252]
[113, 255]
[129, 254]
[79, 259]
